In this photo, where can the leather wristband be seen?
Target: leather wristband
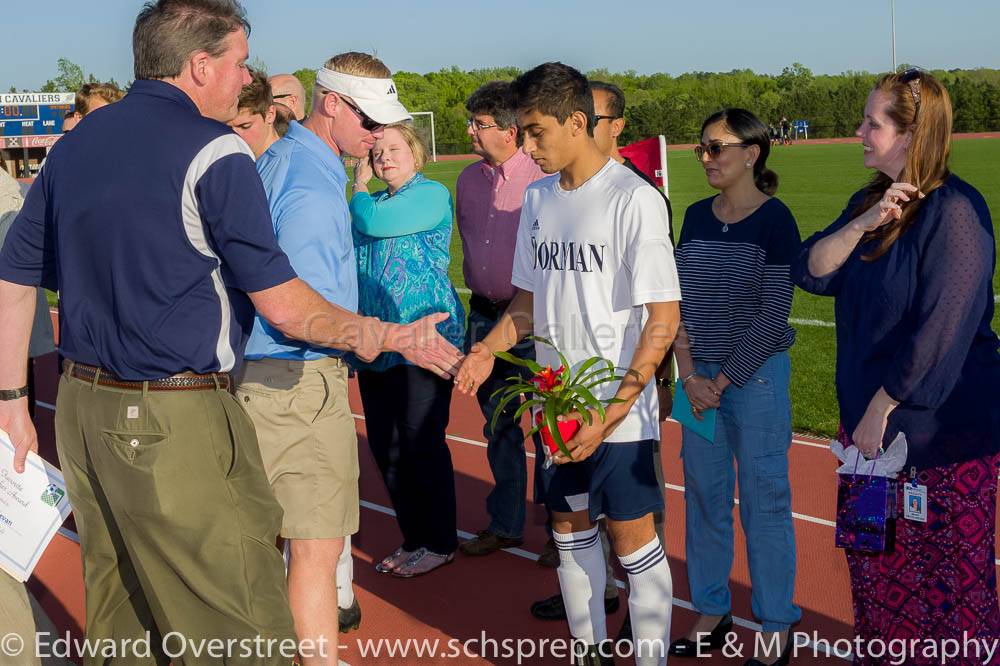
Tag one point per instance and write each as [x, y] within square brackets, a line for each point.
[13, 394]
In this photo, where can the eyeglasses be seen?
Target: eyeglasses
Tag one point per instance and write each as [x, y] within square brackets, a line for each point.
[598, 119]
[367, 122]
[715, 148]
[911, 77]
[478, 126]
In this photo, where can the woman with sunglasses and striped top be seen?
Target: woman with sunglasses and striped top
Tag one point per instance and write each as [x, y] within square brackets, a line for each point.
[733, 260]
[910, 265]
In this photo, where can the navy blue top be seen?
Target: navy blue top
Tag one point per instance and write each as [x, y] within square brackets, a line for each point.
[151, 222]
[737, 291]
[917, 322]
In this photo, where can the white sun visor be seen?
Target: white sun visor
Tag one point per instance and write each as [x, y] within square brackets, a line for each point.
[376, 97]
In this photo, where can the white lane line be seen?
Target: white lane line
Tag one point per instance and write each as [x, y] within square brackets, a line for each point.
[800, 516]
[361, 417]
[482, 445]
[670, 486]
[680, 603]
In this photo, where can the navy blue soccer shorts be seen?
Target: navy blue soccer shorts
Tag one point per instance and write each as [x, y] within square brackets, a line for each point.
[618, 481]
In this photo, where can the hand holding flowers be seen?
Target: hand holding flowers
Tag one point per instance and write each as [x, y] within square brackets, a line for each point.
[564, 401]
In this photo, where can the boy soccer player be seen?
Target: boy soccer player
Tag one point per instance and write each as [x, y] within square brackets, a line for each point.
[595, 273]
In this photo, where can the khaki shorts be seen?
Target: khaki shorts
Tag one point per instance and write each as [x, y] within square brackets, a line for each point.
[307, 441]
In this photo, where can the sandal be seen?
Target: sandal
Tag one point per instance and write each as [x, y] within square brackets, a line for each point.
[421, 562]
[394, 561]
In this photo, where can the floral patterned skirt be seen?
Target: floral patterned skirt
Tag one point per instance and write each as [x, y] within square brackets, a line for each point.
[940, 580]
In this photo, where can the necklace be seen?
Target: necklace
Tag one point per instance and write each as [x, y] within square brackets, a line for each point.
[717, 205]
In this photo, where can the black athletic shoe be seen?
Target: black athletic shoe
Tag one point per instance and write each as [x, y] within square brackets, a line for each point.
[349, 618]
[683, 647]
[553, 608]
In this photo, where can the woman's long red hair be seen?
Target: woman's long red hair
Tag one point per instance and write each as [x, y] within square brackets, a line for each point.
[926, 158]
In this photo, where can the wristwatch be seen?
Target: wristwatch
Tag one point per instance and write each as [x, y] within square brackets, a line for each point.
[13, 394]
[664, 382]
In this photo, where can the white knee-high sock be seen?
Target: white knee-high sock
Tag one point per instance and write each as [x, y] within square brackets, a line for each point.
[581, 579]
[649, 602]
[345, 576]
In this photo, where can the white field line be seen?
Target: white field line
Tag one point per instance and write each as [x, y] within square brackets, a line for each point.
[680, 603]
[820, 323]
[812, 322]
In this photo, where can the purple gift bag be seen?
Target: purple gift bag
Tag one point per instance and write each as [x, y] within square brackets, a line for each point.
[866, 512]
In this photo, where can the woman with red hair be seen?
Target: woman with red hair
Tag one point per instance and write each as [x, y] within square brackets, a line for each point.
[910, 263]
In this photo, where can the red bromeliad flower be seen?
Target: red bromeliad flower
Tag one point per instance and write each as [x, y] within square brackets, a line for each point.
[547, 379]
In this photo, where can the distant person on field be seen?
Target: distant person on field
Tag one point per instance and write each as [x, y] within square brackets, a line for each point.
[786, 131]
[402, 236]
[732, 356]
[910, 264]
[488, 206]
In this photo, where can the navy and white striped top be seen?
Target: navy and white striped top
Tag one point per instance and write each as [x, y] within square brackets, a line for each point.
[736, 286]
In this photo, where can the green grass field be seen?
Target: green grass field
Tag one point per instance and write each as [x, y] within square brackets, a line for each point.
[816, 181]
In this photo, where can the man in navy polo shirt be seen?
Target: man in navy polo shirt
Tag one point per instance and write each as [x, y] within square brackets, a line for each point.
[151, 222]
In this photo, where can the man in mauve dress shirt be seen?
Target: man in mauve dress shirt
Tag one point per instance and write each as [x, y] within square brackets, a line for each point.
[489, 195]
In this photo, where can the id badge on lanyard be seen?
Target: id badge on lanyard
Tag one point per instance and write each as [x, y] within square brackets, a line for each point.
[914, 499]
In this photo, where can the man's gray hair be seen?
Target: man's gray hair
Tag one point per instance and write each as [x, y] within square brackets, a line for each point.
[168, 32]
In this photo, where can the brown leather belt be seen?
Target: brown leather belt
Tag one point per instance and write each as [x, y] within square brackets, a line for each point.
[181, 382]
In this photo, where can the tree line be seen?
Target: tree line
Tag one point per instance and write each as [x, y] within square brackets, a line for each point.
[676, 105]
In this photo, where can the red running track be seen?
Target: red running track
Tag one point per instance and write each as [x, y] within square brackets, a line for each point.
[493, 594]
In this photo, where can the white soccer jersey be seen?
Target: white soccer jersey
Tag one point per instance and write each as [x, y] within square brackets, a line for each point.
[593, 257]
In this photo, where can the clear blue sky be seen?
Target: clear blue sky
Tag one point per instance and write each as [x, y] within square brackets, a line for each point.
[647, 36]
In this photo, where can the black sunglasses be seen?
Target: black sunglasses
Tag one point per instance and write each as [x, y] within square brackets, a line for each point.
[598, 119]
[367, 122]
[715, 148]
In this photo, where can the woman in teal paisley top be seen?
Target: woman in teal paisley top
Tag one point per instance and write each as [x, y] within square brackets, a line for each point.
[402, 237]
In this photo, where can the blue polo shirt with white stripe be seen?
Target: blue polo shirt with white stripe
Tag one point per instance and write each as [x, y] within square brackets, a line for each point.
[151, 222]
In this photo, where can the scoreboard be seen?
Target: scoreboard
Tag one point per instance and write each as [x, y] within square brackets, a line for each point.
[29, 120]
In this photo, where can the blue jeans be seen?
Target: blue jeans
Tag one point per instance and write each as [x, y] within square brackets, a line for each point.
[505, 444]
[754, 426]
